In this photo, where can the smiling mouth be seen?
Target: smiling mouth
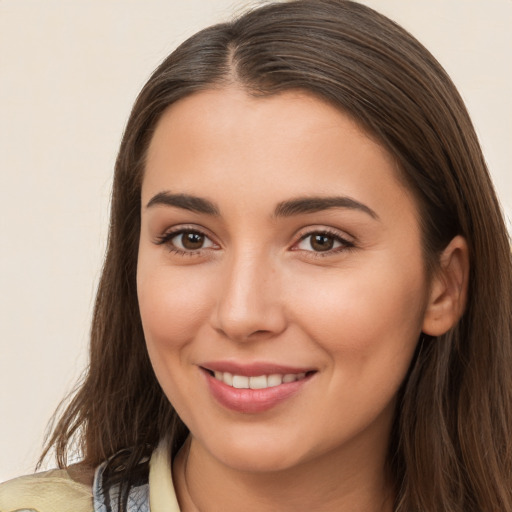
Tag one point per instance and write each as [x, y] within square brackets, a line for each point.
[257, 381]
[254, 388]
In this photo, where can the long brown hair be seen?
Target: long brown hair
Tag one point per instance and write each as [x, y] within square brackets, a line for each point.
[451, 447]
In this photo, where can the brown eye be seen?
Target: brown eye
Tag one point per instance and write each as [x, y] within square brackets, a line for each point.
[189, 241]
[322, 242]
[192, 241]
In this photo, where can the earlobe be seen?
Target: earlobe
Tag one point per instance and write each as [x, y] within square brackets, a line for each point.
[449, 287]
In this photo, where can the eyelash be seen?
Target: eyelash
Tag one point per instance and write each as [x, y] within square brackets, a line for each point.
[345, 245]
[166, 238]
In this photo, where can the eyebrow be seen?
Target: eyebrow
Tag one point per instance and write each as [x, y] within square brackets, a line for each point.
[315, 204]
[184, 201]
[289, 208]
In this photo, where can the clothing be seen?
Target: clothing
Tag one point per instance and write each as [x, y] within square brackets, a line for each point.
[56, 491]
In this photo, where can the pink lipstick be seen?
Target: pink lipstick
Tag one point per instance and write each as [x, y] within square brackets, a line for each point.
[254, 387]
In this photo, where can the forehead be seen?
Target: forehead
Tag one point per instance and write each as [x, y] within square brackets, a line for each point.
[262, 149]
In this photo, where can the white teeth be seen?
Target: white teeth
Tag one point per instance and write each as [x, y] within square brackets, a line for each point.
[259, 381]
[274, 380]
[240, 382]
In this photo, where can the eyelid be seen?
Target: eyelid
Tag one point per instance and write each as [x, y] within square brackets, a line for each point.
[166, 237]
[347, 241]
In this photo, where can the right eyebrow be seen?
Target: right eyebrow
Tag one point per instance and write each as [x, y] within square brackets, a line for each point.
[184, 201]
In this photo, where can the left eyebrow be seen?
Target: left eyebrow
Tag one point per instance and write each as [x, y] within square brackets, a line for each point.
[315, 204]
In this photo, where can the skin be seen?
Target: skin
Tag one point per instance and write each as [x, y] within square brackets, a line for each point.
[258, 290]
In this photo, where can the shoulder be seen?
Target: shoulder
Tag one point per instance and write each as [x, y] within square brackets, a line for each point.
[51, 491]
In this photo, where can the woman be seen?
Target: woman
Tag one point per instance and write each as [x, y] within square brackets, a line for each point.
[308, 261]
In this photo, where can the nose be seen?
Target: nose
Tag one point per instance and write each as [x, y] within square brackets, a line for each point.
[249, 305]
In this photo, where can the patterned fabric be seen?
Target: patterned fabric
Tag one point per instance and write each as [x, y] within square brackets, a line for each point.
[138, 498]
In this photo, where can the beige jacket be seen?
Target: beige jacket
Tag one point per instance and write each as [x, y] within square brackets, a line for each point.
[65, 491]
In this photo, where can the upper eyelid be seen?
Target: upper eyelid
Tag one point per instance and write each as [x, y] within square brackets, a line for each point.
[169, 234]
[176, 230]
[342, 235]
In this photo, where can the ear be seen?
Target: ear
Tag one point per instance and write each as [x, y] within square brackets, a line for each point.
[448, 289]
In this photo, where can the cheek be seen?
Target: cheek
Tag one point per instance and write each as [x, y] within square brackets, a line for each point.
[173, 307]
[366, 316]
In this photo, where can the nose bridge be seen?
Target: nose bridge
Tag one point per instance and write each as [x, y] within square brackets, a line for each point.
[248, 300]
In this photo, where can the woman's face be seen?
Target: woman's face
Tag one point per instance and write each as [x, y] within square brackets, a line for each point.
[280, 278]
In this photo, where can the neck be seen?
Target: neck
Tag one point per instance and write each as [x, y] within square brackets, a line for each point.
[334, 482]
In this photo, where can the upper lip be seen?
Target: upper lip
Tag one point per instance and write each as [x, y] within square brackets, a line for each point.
[253, 369]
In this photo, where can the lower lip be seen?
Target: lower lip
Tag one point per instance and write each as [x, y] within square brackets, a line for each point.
[251, 401]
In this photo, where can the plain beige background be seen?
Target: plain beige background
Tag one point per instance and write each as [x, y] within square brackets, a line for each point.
[69, 72]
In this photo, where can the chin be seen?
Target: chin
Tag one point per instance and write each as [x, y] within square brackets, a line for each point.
[256, 455]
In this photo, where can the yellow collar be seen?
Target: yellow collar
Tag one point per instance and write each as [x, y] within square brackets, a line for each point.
[162, 497]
